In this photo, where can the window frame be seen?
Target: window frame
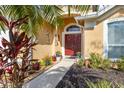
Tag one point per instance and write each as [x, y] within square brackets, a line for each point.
[71, 27]
[105, 37]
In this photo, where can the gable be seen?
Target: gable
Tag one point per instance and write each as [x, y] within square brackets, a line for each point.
[117, 11]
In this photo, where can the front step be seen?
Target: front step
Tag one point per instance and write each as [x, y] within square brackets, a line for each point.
[67, 59]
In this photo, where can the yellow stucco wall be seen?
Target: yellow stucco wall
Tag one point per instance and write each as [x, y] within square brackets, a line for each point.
[93, 40]
[67, 21]
[45, 46]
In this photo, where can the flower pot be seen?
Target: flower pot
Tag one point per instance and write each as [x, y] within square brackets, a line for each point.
[58, 58]
[53, 58]
[36, 66]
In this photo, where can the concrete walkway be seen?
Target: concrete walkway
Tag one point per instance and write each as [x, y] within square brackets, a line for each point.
[51, 77]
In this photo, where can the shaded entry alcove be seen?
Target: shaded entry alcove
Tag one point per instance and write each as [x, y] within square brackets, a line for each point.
[72, 40]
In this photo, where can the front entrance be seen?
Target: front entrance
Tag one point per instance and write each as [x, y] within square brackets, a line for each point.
[71, 40]
[72, 44]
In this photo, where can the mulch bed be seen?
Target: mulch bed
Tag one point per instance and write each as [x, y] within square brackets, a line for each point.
[76, 77]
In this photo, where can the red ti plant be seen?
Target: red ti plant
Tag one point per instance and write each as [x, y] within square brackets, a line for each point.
[15, 59]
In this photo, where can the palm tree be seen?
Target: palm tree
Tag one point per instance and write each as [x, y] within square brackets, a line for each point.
[38, 14]
[79, 8]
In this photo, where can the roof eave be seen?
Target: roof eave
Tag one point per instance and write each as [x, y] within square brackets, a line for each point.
[94, 15]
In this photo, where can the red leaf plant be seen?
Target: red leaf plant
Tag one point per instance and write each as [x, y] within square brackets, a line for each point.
[14, 54]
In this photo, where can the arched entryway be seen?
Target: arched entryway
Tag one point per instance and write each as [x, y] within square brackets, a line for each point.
[71, 40]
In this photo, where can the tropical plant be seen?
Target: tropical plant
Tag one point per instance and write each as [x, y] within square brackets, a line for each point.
[120, 64]
[79, 8]
[78, 54]
[80, 62]
[95, 60]
[99, 84]
[38, 15]
[103, 84]
[105, 64]
[15, 57]
[42, 62]
[98, 62]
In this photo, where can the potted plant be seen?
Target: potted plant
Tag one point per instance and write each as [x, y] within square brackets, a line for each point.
[54, 58]
[35, 65]
[78, 54]
[47, 60]
[58, 56]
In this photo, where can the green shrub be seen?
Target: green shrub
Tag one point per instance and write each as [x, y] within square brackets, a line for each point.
[58, 53]
[105, 64]
[42, 62]
[104, 84]
[46, 61]
[120, 64]
[99, 84]
[80, 62]
[78, 54]
[96, 60]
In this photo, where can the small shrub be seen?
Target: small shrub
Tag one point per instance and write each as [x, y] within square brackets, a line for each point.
[105, 64]
[42, 63]
[47, 60]
[120, 64]
[80, 62]
[78, 54]
[96, 60]
[103, 84]
[99, 84]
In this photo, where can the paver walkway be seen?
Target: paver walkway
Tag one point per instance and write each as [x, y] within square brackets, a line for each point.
[51, 77]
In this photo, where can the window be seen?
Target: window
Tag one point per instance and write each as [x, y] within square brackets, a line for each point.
[116, 39]
[73, 28]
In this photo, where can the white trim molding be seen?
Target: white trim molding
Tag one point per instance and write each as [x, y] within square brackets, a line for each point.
[95, 14]
[105, 39]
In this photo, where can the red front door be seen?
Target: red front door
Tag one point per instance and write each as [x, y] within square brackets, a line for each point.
[72, 44]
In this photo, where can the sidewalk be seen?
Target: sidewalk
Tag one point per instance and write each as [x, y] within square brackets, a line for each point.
[51, 77]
